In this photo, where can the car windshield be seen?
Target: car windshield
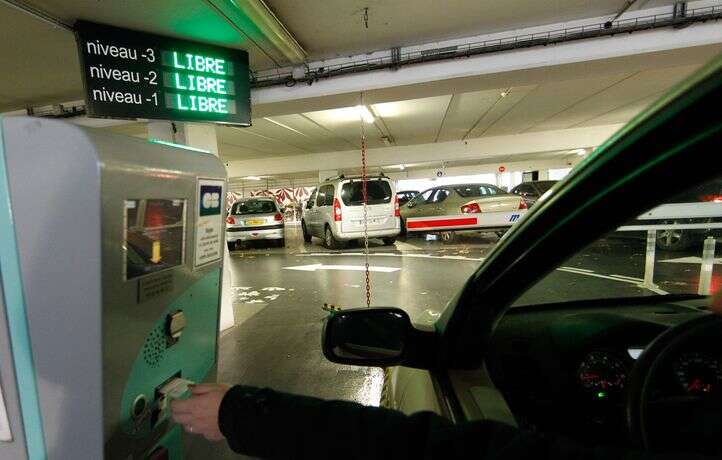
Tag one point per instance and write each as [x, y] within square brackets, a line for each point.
[379, 192]
[669, 249]
[253, 207]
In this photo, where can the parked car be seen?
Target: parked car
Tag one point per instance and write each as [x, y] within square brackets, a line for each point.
[255, 219]
[406, 195]
[335, 213]
[462, 207]
[532, 191]
[614, 366]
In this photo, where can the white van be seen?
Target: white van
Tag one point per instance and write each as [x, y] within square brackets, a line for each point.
[334, 212]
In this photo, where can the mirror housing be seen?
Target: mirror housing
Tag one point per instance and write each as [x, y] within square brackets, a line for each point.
[377, 337]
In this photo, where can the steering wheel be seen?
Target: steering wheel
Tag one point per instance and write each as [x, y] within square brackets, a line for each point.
[641, 397]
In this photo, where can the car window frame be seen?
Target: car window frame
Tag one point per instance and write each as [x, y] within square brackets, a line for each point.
[311, 199]
[577, 212]
[434, 197]
[330, 195]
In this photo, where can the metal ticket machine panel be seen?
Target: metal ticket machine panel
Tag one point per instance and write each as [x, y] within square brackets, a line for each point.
[110, 259]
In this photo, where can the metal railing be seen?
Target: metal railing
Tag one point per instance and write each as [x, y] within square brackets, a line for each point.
[493, 46]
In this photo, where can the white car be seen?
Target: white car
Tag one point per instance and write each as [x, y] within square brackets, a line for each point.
[462, 207]
[255, 219]
[334, 212]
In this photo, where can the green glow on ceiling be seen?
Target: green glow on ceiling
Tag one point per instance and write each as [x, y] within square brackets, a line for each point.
[180, 146]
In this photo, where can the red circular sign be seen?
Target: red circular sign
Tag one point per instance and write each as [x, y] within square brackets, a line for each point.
[502, 169]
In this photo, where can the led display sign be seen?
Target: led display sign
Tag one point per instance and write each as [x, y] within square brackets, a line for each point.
[129, 74]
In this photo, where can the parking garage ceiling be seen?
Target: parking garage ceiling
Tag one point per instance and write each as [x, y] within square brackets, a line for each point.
[593, 93]
[580, 95]
[323, 29]
[333, 28]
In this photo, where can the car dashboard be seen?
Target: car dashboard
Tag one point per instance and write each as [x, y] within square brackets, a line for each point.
[565, 368]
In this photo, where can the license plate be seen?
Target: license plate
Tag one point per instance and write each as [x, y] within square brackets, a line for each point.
[255, 222]
[371, 221]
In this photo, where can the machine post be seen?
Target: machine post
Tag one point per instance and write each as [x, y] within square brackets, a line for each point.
[705, 272]
[649, 261]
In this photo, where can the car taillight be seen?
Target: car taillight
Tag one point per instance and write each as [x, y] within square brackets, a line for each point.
[471, 208]
[278, 217]
[522, 204]
[230, 220]
[712, 198]
[397, 209]
[336, 210]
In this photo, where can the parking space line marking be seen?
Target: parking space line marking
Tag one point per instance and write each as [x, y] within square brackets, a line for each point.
[630, 278]
[381, 254]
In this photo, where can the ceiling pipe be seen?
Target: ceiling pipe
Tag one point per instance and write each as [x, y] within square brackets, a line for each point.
[624, 9]
[37, 14]
[255, 20]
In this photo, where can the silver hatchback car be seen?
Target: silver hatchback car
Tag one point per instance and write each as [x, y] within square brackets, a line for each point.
[255, 219]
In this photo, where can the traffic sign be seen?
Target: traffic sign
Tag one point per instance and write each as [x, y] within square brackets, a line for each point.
[129, 74]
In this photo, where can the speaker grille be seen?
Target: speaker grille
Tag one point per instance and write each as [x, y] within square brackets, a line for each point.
[154, 347]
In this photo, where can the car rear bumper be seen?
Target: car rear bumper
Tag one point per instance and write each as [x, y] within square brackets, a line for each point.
[274, 232]
[488, 221]
[384, 233]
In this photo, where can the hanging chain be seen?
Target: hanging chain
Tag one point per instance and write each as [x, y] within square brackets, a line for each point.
[364, 188]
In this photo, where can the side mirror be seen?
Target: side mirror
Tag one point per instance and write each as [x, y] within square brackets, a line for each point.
[375, 337]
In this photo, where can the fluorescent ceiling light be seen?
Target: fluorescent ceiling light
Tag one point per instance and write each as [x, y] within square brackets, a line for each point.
[402, 167]
[365, 113]
[579, 152]
[504, 93]
[253, 178]
[278, 123]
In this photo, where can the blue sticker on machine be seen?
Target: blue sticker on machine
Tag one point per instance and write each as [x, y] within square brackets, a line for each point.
[210, 200]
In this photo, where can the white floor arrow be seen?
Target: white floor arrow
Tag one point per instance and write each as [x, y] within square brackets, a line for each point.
[357, 268]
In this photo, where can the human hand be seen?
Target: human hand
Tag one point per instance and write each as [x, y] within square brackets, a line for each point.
[199, 413]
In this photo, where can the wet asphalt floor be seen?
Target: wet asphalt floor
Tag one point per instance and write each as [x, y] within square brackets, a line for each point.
[279, 293]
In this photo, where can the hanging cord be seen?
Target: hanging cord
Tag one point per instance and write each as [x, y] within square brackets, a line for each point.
[365, 192]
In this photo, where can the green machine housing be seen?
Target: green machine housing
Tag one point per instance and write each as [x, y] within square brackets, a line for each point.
[110, 255]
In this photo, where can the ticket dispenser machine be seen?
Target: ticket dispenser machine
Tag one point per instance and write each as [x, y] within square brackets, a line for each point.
[110, 258]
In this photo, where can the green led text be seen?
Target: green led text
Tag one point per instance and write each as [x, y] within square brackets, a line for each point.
[204, 104]
[199, 83]
[198, 63]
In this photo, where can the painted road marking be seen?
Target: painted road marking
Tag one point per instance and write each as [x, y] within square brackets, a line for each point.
[357, 268]
[636, 282]
[403, 246]
[388, 254]
[575, 270]
[690, 260]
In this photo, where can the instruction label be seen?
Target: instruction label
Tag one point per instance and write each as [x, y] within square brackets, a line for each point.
[209, 222]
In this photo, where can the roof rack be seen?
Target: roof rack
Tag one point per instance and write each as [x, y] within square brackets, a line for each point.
[343, 176]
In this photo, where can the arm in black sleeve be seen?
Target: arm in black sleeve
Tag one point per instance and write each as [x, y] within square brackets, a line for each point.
[272, 425]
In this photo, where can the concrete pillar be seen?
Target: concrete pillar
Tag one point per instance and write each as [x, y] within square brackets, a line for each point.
[323, 175]
[201, 136]
[163, 131]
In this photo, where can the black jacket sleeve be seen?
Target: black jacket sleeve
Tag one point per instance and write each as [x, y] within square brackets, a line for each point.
[272, 425]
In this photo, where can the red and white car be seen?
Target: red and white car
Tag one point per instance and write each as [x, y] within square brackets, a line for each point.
[462, 207]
